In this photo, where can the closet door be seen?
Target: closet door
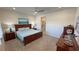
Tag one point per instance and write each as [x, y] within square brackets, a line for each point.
[1, 33]
[77, 26]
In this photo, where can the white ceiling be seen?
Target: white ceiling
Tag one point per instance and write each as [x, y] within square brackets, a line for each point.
[30, 10]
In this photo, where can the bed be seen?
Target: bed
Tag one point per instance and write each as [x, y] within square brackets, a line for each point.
[28, 35]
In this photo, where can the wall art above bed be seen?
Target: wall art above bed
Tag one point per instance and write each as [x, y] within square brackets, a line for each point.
[23, 21]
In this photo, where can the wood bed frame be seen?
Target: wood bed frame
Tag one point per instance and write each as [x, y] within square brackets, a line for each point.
[30, 38]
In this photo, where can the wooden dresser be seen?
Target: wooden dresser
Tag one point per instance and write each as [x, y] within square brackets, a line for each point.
[61, 46]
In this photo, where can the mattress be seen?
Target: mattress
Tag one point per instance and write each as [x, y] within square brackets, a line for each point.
[25, 33]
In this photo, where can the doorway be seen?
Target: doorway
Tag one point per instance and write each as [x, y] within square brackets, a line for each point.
[43, 24]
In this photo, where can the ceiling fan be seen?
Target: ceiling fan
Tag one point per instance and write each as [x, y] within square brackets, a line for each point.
[36, 10]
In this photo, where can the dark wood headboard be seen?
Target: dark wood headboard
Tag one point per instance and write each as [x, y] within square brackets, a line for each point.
[22, 26]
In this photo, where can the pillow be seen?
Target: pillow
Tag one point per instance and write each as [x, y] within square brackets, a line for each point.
[20, 29]
[27, 28]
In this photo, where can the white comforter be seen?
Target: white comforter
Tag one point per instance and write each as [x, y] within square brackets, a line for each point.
[23, 33]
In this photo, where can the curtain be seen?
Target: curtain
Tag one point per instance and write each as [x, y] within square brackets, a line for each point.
[1, 34]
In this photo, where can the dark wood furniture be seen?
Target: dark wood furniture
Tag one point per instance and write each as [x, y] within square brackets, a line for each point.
[9, 36]
[61, 46]
[22, 26]
[30, 38]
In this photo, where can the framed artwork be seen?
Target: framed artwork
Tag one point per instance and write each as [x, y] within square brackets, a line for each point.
[23, 21]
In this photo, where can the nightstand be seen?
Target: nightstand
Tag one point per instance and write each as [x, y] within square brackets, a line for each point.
[9, 36]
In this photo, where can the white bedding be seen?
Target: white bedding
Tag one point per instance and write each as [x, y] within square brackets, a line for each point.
[23, 33]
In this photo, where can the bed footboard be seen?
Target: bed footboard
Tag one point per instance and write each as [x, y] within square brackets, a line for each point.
[31, 38]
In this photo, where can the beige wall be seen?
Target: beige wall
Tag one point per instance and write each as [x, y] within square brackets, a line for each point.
[11, 17]
[56, 21]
